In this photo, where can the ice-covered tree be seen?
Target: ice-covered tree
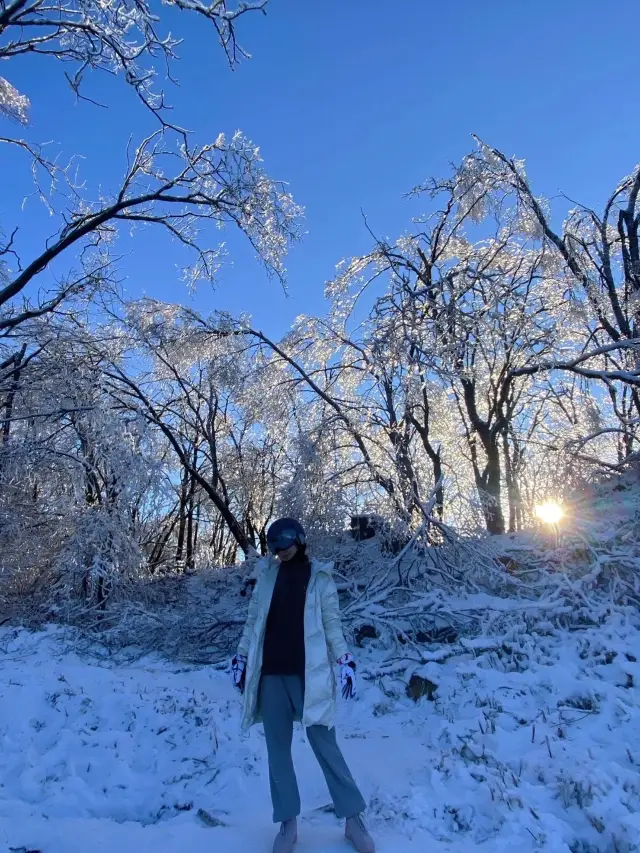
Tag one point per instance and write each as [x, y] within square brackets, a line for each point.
[79, 481]
[186, 188]
[597, 254]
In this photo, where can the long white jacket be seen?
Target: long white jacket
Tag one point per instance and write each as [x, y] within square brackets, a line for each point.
[324, 643]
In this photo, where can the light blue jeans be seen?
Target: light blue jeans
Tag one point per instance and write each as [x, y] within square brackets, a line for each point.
[281, 703]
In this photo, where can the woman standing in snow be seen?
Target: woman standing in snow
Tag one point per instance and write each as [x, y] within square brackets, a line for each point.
[284, 668]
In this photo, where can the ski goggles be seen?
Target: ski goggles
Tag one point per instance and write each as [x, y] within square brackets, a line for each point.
[285, 539]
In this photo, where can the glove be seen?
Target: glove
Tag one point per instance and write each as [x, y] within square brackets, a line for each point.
[348, 676]
[239, 671]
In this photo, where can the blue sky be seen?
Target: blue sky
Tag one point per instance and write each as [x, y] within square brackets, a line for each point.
[353, 102]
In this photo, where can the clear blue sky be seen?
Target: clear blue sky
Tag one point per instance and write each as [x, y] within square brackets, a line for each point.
[353, 102]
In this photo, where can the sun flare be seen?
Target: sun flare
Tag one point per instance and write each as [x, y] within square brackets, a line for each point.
[550, 512]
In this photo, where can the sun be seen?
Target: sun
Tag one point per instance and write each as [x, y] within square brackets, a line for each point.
[550, 512]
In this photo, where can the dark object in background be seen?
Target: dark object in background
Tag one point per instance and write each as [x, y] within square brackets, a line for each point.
[509, 563]
[209, 819]
[249, 585]
[419, 687]
[363, 527]
[365, 632]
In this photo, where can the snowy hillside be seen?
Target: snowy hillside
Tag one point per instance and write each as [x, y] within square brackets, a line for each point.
[532, 744]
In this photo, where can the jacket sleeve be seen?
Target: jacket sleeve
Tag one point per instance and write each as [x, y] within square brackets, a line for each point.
[252, 614]
[332, 621]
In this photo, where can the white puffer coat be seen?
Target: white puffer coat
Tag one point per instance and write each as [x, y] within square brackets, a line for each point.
[324, 643]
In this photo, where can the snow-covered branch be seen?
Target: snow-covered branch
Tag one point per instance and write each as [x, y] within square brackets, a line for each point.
[117, 38]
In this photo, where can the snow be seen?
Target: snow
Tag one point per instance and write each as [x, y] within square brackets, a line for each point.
[532, 742]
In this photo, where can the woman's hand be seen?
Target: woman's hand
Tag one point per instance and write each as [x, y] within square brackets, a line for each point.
[348, 676]
[239, 671]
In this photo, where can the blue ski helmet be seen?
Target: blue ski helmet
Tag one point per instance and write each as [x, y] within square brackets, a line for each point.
[284, 533]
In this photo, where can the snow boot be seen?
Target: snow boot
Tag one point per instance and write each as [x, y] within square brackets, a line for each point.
[287, 837]
[356, 832]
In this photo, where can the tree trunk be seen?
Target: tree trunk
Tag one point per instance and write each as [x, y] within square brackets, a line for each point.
[182, 518]
[489, 479]
[512, 467]
[423, 430]
[190, 555]
[8, 406]
[157, 552]
[490, 491]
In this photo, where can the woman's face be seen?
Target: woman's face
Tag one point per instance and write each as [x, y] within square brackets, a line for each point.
[288, 554]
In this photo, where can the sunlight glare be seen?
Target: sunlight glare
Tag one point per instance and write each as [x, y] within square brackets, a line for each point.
[549, 512]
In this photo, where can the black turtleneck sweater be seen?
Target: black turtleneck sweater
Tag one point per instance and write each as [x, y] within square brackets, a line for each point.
[283, 652]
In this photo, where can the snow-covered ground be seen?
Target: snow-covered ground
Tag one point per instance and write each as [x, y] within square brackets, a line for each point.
[531, 745]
